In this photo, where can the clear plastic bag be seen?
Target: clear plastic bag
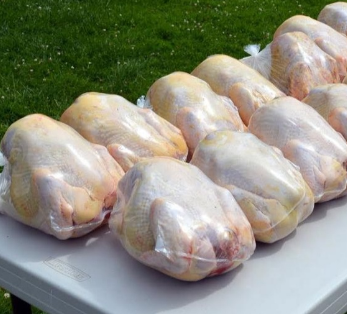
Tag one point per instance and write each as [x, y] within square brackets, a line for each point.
[173, 218]
[326, 38]
[54, 180]
[295, 64]
[330, 102]
[229, 77]
[335, 15]
[128, 132]
[306, 139]
[268, 187]
[190, 104]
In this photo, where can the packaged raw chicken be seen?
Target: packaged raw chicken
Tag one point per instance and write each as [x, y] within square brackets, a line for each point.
[330, 101]
[244, 86]
[128, 132]
[55, 180]
[295, 64]
[306, 139]
[335, 15]
[325, 37]
[190, 104]
[268, 187]
[170, 216]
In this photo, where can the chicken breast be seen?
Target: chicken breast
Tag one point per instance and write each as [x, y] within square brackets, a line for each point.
[325, 37]
[55, 180]
[190, 104]
[170, 216]
[244, 86]
[308, 141]
[268, 187]
[128, 132]
[335, 15]
[330, 101]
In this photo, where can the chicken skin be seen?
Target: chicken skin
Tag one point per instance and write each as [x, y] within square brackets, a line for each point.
[190, 104]
[330, 101]
[128, 132]
[170, 216]
[268, 187]
[325, 37]
[55, 180]
[307, 140]
[244, 86]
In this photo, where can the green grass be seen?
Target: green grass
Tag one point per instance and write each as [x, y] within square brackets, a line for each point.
[51, 51]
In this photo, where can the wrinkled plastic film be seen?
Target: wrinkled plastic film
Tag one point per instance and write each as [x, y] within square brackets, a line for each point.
[258, 60]
[65, 190]
[185, 240]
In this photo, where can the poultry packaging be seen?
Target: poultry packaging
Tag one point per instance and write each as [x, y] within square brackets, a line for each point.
[295, 64]
[325, 37]
[55, 180]
[170, 216]
[330, 101]
[190, 104]
[335, 15]
[305, 138]
[268, 187]
[244, 86]
[128, 132]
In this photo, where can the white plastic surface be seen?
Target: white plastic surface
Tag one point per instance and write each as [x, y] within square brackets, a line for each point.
[304, 273]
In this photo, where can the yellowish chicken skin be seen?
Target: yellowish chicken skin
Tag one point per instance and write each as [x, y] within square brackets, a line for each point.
[170, 216]
[56, 180]
[190, 104]
[128, 132]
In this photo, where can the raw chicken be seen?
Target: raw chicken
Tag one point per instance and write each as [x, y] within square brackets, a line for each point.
[190, 104]
[329, 40]
[335, 15]
[330, 101]
[55, 180]
[308, 141]
[172, 217]
[129, 132]
[298, 65]
[268, 187]
[294, 63]
[244, 86]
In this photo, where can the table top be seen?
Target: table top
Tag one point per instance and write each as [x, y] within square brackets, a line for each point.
[304, 273]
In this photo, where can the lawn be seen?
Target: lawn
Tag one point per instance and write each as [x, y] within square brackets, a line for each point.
[51, 51]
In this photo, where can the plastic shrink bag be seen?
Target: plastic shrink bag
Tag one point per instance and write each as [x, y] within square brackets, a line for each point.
[170, 216]
[306, 139]
[325, 37]
[190, 104]
[54, 180]
[128, 132]
[269, 188]
[330, 101]
[335, 15]
[244, 86]
[295, 64]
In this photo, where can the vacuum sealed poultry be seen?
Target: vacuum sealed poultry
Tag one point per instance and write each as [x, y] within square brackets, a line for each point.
[170, 216]
[128, 132]
[326, 38]
[190, 104]
[306, 139]
[295, 64]
[268, 187]
[330, 101]
[247, 89]
[335, 15]
[55, 180]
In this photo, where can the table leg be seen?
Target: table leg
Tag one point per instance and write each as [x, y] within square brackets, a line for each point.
[19, 306]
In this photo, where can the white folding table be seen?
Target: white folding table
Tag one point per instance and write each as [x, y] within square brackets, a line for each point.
[305, 273]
